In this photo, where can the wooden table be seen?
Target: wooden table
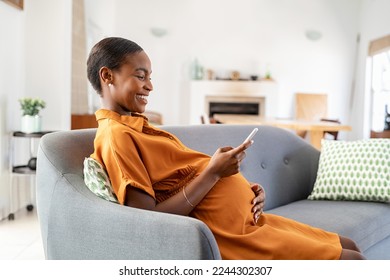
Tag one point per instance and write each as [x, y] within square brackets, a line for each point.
[315, 129]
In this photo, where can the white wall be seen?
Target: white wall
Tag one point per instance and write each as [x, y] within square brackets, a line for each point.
[35, 55]
[35, 59]
[48, 59]
[100, 18]
[11, 84]
[246, 36]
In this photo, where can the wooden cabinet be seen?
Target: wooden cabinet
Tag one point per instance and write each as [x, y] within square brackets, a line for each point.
[380, 134]
[83, 121]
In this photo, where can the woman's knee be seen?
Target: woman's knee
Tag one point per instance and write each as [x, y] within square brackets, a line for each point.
[349, 244]
[347, 254]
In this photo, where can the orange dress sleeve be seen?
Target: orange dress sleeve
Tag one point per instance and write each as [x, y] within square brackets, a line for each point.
[116, 150]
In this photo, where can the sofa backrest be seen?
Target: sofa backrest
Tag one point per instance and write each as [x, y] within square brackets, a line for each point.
[283, 163]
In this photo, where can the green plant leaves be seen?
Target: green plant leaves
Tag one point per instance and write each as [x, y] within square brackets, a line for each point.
[31, 106]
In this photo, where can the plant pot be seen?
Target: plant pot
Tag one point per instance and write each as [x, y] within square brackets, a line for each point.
[31, 124]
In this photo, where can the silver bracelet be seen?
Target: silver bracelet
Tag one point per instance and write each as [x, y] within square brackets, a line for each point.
[185, 196]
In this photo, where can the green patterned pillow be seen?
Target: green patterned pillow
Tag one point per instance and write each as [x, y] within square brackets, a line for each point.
[96, 179]
[353, 170]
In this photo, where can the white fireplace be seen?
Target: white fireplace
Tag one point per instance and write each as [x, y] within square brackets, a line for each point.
[233, 97]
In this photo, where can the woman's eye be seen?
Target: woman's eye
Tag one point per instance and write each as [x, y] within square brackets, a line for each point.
[142, 78]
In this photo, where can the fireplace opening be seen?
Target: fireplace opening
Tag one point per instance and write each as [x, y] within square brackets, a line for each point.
[234, 108]
[235, 105]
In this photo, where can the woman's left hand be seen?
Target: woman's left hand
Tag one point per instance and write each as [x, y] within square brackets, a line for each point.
[258, 201]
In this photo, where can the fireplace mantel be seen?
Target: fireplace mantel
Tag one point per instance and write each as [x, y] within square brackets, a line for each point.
[200, 89]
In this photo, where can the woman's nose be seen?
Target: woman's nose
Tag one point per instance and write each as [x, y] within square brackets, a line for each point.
[149, 85]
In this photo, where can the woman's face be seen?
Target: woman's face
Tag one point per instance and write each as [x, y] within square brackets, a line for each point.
[130, 86]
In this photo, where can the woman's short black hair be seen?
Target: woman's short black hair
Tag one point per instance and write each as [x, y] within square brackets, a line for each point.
[110, 52]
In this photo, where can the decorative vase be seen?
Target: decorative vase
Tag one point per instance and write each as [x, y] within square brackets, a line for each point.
[197, 70]
[31, 124]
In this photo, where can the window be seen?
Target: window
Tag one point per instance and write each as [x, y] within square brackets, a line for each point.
[380, 82]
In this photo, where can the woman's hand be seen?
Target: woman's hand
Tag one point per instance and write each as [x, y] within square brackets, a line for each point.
[226, 161]
[258, 201]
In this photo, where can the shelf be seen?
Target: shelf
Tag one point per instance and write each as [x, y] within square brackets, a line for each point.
[23, 169]
[30, 135]
[18, 171]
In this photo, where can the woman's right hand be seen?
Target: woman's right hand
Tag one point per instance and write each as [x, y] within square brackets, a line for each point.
[226, 161]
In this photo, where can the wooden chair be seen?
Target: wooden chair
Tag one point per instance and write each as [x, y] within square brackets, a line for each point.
[313, 107]
[334, 134]
[154, 118]
[204, 119]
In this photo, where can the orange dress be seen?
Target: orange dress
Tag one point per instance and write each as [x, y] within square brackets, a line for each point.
[138, 155]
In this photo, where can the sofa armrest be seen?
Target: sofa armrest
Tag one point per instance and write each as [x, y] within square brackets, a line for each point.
[76, 224]
[83, 227]
[103, 230]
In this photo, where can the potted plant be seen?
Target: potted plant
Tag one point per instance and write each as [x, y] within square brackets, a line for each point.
[31, 121]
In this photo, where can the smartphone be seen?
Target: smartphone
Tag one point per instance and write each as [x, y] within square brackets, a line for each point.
[250, 136]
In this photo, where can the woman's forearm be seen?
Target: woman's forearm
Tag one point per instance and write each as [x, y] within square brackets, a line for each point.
[186, 200]
[225, 162]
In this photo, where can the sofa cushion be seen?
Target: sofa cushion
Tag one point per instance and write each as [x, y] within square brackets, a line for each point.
[353, 170]
[96, 179]
[367, 223]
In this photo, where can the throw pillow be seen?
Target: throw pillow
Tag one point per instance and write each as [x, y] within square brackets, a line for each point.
[353, 170]
[96, 179]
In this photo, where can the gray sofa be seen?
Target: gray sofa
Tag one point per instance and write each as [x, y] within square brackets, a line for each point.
[76, 224]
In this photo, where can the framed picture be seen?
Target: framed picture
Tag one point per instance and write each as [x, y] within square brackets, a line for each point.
[16, 3]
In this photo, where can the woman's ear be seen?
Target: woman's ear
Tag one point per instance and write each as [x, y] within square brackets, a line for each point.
[105, 75]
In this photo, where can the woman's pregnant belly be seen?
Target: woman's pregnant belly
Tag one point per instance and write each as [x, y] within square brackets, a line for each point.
[227, 206]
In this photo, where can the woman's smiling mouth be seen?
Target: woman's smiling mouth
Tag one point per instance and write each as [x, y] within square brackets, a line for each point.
[143, 98]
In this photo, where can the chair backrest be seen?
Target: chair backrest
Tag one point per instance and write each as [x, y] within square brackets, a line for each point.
[204, 119]
[154, 118]
[311, 106]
